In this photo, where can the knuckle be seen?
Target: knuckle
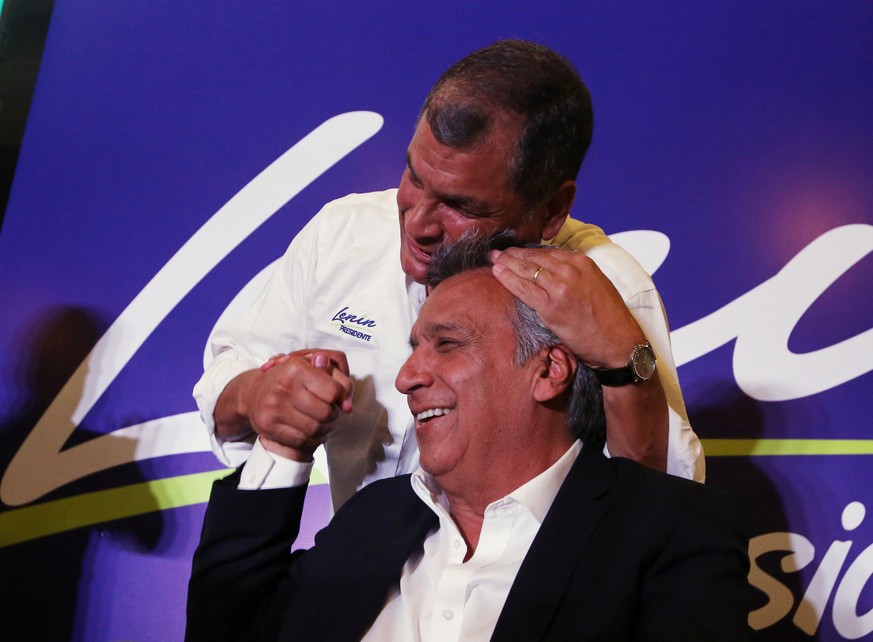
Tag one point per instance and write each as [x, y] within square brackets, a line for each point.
[562, 290]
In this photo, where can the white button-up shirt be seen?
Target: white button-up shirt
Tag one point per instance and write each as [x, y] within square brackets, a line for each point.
[443, 598]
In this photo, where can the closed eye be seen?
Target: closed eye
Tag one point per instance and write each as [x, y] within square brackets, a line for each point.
[446, 344]
[413, 177]
[466, 207]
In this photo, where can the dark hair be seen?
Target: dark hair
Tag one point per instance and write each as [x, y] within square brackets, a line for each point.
[526, 79]
[585, 414]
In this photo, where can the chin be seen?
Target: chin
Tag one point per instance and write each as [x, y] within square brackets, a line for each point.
[431, 469]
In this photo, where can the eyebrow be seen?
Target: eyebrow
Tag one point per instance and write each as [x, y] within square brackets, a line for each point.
[437, 328]
[409, 166]
[473, 205]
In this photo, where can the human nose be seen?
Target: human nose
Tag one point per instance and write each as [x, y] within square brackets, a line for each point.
[422, 222]
[412, 375]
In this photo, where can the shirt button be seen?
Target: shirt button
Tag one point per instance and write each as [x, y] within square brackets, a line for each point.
[456, 544]
[448, 614]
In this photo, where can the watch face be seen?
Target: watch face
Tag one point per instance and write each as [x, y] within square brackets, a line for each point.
[644, 362]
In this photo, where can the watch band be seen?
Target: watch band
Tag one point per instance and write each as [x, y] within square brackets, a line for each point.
[640, 367]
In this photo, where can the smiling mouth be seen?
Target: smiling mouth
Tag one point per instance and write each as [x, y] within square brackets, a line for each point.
[417, 251]
[426, 415]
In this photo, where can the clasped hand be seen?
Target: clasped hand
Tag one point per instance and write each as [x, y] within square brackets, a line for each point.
[294, 400]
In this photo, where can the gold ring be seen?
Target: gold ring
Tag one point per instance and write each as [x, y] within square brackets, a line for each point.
[536, 274]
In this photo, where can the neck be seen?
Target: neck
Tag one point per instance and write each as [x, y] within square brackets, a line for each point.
[468, 499]
[469, 522]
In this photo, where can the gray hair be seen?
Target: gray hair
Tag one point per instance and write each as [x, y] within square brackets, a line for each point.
[517, 77]
[585, 414]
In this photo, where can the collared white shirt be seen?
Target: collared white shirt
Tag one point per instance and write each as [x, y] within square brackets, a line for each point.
[441, 598]
[345, 263]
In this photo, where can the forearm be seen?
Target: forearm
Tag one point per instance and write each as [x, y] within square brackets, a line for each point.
[231, 416]
[637, 424]
[239, 572]
[637, 415]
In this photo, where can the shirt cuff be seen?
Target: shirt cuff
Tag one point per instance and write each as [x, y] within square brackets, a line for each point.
[265, 470]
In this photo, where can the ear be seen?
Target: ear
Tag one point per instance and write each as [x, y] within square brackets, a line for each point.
[557, 374]
[557, 208]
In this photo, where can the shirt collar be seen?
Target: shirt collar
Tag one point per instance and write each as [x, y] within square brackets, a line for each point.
[536, 495]
[417, 293]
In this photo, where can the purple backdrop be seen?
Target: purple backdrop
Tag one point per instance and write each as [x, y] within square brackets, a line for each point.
[741, 131]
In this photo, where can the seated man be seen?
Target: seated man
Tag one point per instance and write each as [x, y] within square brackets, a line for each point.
[516, 526]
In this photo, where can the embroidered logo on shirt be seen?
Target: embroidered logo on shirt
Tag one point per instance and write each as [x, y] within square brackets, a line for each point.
[345, 317]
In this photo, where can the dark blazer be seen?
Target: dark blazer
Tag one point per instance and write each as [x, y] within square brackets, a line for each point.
[625, 553]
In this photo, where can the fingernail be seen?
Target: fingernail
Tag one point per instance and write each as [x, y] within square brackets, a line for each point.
[320, 360]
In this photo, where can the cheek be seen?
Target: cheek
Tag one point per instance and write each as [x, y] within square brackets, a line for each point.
[477, 393]
[405, 194]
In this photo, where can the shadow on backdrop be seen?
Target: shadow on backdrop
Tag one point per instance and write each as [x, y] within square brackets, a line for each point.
[729, 413]
[40, 588]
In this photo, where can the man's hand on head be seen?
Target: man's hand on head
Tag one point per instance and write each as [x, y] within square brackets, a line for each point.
[574, 299]
[585, 311]
[294, 399]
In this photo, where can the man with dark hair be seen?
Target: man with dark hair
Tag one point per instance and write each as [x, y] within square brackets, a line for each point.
[522, 78]
[497, 145]
[512, 529]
